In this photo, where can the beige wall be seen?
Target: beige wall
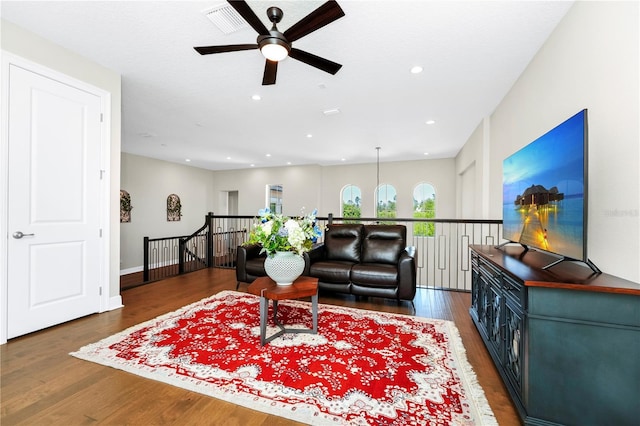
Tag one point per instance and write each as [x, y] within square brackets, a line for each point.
[469, 178]
[316, 187]
[41, 51]
[149, 182]
[301, 188]
[403, 175]
[312, 187]
[590, 61]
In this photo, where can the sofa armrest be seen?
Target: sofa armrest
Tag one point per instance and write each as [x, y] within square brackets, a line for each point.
[407, 274]
[244, 253]
[307, 264]
[318, 252]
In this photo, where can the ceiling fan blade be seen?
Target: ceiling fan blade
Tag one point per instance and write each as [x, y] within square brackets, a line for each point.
[325, 14]
[270, 71]
[249, 15]
[207, 50]
[315, 61]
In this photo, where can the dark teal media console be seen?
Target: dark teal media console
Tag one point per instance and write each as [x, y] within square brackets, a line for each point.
[565, 340]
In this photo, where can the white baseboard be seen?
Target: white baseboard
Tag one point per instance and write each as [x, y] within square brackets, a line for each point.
[131, 270]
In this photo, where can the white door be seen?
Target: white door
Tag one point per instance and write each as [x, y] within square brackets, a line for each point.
[54, 137]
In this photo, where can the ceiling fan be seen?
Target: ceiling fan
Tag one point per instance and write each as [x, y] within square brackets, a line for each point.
[275, 45]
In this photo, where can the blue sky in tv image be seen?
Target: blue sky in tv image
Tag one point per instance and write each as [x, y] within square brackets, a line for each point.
[555, 159]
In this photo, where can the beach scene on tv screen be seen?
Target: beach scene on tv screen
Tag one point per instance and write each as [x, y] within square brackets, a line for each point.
[543, 191]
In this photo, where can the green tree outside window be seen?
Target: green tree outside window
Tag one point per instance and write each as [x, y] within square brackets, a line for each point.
[424, 207]
[351, 198]
[386, 202]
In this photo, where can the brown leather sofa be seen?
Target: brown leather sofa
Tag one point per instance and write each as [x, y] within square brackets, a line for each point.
[364, 260]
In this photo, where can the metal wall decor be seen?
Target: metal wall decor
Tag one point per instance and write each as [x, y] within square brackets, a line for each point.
[125, 206]
[174, 208]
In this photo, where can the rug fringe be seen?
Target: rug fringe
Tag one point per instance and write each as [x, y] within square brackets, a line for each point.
[484, 412]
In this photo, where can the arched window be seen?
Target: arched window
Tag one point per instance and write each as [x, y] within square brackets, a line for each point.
[424, 206]
[386, 201]
[351, 199]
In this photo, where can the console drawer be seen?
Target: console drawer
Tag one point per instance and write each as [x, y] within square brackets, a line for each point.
[490, 272]
[514, 289]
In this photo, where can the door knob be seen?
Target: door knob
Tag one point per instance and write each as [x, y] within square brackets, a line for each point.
[18, 234]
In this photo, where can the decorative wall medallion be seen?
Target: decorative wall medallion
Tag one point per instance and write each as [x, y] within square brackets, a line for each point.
[125, 206]
[174, 208]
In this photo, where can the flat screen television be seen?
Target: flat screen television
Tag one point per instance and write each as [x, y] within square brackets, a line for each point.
[545, 192]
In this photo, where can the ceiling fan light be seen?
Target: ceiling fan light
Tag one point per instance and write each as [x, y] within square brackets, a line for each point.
[275, 50]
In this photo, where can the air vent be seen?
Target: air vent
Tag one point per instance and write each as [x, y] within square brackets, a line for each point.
[226, 18]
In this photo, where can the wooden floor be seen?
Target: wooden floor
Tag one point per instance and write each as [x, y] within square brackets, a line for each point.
[43, 385]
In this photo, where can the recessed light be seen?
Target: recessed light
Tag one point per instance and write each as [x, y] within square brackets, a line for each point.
[268, 155]
[430, 121]
[288, 163]
[426, 153]
[228, 158]
[416, 70]
[187, 160]
[332, 111]
[343, 159]
[309, 135]
[252, 165]
[256, 97]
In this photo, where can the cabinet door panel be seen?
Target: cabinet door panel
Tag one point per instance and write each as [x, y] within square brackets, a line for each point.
[514, 347]
[494, 325]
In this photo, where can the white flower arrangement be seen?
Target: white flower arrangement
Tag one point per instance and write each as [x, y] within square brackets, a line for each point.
[275, 232]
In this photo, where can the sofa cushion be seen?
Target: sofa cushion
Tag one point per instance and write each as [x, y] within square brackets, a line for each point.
[374, 275]
[334, 271]
[343, 242]
[383, 243]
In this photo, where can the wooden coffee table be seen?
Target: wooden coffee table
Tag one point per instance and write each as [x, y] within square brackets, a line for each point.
[267, 289]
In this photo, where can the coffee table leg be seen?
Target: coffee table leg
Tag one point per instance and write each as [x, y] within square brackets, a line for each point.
[264, 309]
[314, 312]
[275, 312]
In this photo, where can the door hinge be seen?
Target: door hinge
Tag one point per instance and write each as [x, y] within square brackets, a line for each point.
[102, 172]
[100, 232]
[101, 118]
[100, 290]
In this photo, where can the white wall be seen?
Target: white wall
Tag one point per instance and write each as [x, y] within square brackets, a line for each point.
[590, 61]
[36, 49]
[149, 182]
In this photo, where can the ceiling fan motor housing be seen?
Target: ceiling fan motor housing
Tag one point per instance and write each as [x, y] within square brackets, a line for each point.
[274, 37]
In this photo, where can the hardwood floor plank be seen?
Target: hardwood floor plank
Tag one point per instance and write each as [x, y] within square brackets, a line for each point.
[42, 384]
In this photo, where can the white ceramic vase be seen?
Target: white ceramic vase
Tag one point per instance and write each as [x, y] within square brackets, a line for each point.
[284, 267]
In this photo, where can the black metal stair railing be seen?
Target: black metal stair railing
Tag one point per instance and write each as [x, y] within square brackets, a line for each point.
[442, 252]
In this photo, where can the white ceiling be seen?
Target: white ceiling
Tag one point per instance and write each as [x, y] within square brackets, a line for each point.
[177, 104]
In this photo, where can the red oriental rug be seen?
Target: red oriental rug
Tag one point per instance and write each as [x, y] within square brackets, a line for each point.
[363, 367]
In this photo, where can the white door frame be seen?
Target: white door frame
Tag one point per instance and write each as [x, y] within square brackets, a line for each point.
[105, 186]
